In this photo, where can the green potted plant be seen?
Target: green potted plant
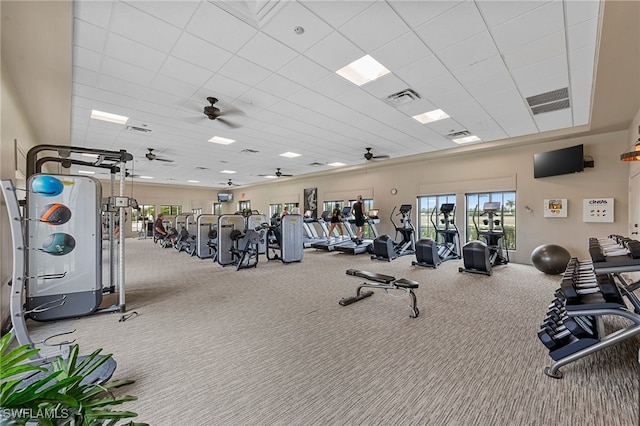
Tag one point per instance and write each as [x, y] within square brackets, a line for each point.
[57, 396]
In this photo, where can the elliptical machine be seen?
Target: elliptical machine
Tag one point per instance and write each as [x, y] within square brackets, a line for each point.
[480, 257]
[384, 248]
[430, 253]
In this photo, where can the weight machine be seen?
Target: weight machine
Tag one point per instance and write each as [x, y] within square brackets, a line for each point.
[481, 256]
[430, 253]
[384, 248]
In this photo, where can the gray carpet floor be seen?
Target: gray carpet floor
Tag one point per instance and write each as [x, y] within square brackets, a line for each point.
[271, 346]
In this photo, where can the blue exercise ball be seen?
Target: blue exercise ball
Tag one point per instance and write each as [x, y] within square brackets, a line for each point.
[551, 259]
[47, 186]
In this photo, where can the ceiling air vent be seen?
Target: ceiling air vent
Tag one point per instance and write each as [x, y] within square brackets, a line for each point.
[139, 130]
[401, 98]
[455, 135]
[550, 101]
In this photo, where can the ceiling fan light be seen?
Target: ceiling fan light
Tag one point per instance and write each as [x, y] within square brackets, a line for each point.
[633, 154]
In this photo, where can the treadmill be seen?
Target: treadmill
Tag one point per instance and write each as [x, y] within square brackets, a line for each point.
[367, 244]
[331, 243]
[310, 235]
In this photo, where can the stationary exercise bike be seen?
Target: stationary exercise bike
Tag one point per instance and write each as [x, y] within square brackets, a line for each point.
[384, 248]
[446, 246]
[481, 256]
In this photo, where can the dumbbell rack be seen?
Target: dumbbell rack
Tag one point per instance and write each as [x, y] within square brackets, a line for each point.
[589, 290]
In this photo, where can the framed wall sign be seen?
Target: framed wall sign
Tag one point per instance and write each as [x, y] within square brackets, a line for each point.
[555, 207]
[597, 210]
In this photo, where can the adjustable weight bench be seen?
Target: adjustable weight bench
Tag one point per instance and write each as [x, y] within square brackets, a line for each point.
[383, 282]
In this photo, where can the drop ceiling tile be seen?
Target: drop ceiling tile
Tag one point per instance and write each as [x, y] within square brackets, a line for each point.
[581, 102]
[264, 50]
[492, 68]
[143, 28]
[499, 101]
[86, 59]
[303, 71]
[583, 34]
[336, 16]
[279, 86]
[452, 27]
[83, 76]
[185, 71]
[416, 13]
[580, 11]
[176, 13]
[82, 90]
[422, 71]
[536, 87]
[416, 107]
[95, 12]
[307, 98]
[134, 53]
[228, 32]
[468, 52]
[554, 120]
[172, 86]
[80, 102]
[581, 61]
[244, 71]
[551, 68]
[124, 71]
[222, 85]
[334, 52]
[385, 86]
[540, 22]
[374, 27]
[401, 52]
[292, 15]
[536, 51]
[333, 86]
[88, 36]
[199, 52]
[259, 98]
[498, 12]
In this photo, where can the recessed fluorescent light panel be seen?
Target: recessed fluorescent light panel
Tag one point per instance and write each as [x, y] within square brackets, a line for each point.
[290, 155]
[228, 171]
[193, 181]
[107, 116]
[363, 70]
[336, 164]
[270, 177]
[145, 177]
[431, 116]
[467, 139]
[221, 141]
[86, 172]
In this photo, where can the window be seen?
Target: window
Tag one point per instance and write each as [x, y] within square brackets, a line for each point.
[144, 214]
[275, 210]
[217, 208]
[244, 205]
[426, 206]
[506, 215]
[171, 209]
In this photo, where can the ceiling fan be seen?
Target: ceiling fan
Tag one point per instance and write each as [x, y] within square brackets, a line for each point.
[213, 112]
[151, 157]
[278, 173]
[229, 183]
[369, 155]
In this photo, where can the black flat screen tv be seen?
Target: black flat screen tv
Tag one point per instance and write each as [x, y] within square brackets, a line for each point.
[559, 162]
[224, 197]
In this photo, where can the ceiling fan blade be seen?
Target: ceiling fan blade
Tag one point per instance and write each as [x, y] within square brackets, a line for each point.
[379, 157]
[166, 160]
[228, 123]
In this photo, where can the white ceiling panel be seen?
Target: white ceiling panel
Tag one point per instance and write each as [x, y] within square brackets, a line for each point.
[374, 27]
[143, 28]
[266, 51]
[91, 36]
[538, 23]
[158, 61]
[334, 52]
[336, 16]
[439, 33]
[217, 26]
[199, 52]
[293, 15]
[175, 13]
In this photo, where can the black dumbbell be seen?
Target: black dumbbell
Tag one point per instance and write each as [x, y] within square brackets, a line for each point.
[554, 340]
